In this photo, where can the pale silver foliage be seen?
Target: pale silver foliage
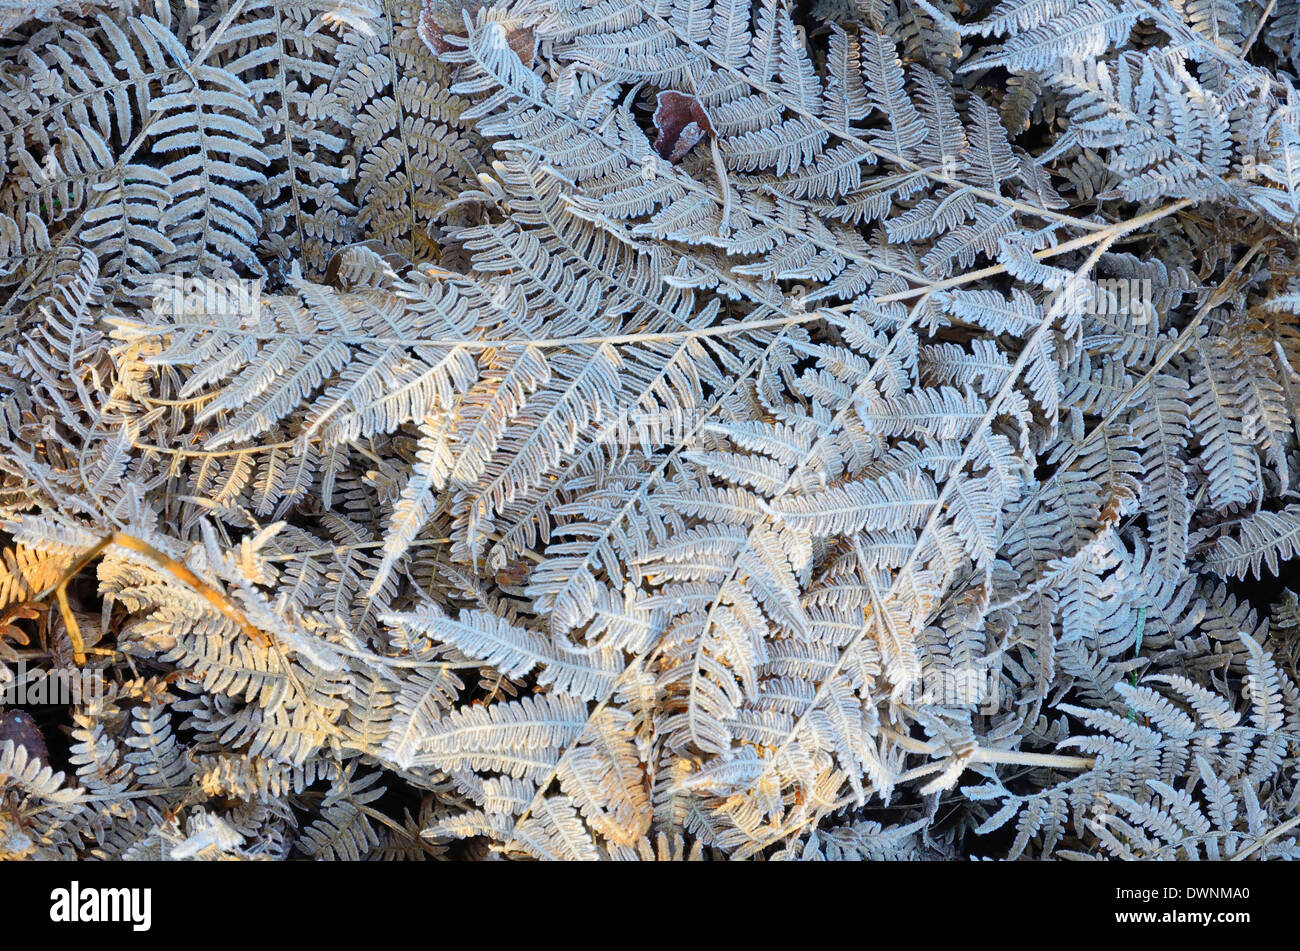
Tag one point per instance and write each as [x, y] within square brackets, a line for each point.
[883, 447]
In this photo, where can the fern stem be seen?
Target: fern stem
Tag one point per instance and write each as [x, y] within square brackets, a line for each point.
[224, 605]
[1259, 27]
[1111, 232]
[1048, 760]
[1266, 839]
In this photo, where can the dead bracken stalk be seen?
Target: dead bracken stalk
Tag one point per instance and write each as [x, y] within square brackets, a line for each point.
[222, 603]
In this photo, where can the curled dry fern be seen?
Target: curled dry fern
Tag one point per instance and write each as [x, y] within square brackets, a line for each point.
[652, 431]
